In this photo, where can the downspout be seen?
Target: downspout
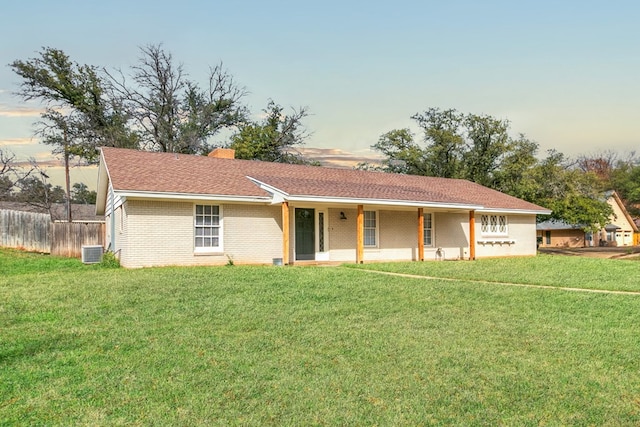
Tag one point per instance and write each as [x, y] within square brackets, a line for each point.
[112, 244]
[285, 233]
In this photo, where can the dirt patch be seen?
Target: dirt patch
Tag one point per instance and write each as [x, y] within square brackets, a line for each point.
[628, 252]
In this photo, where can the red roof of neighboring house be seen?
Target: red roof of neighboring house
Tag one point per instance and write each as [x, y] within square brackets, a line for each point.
[141, 171]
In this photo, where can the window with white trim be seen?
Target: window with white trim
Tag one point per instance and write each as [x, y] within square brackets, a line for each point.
[370, 228]
[494, 225]
[208, 228]
[427, 230]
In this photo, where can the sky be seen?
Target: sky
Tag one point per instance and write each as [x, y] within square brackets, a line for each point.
[564, 73]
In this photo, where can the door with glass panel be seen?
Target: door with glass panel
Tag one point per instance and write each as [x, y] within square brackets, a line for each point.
[305, 234]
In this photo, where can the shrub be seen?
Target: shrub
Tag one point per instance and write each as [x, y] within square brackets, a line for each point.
[109, 260]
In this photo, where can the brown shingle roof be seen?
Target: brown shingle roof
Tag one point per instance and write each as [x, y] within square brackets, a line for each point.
[131, 170]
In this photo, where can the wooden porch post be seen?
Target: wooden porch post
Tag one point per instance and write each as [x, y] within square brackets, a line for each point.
[360, 235]
[420, 234]
[472, 235]
[285, 233]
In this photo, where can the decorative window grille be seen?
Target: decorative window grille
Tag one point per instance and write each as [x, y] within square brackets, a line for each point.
[321, 231]
[494, 225]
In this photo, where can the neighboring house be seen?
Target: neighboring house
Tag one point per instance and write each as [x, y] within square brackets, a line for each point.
[553, 233]
[621, 229]
[175, 209]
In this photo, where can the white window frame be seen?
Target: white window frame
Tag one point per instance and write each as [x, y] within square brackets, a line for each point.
[494, 225]
[431, 229]
[219, 227]
[375, 228]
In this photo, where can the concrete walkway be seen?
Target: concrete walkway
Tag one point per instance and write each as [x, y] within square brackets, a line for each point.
[488, 282]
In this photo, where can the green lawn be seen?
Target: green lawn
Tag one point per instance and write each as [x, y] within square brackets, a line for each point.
[545, 270]
[85, 345]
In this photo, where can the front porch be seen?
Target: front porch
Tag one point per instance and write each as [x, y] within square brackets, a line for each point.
[316, 233]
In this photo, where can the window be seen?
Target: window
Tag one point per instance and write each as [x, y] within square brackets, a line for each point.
[370, 227]
[427, 230]
[321, 231]
[548, 237]
[494, 225]
[208, 224]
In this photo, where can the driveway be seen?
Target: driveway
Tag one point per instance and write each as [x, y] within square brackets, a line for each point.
[599, 252]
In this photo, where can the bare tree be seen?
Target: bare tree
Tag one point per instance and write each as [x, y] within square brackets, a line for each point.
[36, 191]
[7, 174]
[172, 113]
[601, 164]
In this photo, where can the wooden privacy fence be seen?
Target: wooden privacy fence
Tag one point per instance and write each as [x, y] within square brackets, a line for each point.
[35, 232]
[25, 230]
[67, 238]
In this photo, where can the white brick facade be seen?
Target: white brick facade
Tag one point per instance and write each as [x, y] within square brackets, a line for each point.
[156, 233]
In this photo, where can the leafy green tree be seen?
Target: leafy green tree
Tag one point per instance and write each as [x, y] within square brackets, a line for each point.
[402, 153]
[445, 144]
[171, 113]
[625, 179]
[573, 196]
[488, 143]
[82, 195]
[78, 117]
[514, 175]
[274, 139]
[479, 148]
[454, 145]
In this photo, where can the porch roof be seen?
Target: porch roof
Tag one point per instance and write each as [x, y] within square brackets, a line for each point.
[150, 174]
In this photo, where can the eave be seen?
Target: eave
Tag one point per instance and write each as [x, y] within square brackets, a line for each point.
[133, 194]
[515, 211]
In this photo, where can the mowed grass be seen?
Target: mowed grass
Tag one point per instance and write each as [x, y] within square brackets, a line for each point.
[544, 270]
[82, 345]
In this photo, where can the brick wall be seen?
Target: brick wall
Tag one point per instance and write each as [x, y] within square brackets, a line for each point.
[522, 229]
[253, 233]
[161, 233]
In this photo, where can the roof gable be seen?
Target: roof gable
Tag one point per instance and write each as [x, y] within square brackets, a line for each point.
[621, 216]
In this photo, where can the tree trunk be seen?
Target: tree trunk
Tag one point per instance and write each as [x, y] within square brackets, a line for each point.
[66, 176]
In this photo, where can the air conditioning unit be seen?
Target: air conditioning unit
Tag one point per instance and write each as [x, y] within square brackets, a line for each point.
[91, 254]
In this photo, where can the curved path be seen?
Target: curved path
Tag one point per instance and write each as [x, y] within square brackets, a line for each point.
[489, 282]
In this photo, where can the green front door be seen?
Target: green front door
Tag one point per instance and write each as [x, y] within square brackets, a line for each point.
[305, 234]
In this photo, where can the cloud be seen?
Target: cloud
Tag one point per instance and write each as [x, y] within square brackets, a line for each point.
[335, 157]
[18, 141]
[7, 111]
